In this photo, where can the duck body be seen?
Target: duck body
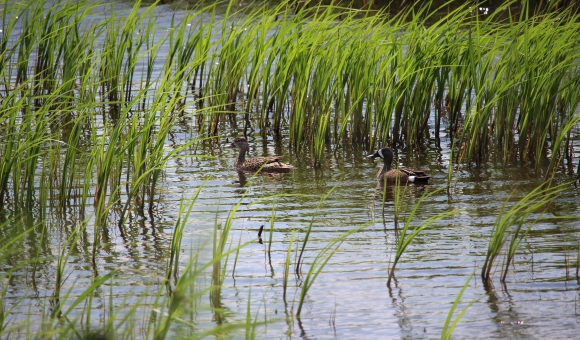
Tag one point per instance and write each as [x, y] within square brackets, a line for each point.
[269, 164]
[403, 175]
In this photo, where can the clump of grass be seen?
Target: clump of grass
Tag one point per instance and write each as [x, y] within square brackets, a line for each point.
[514, 219]
[73, 313]
[328, 76]
[56, 110]
[364, 78]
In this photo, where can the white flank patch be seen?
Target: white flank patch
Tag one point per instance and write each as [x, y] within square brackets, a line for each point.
[412, 178]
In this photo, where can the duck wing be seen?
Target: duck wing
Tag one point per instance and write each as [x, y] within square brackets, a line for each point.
[271, 163]
[271, 159]
[420, 175]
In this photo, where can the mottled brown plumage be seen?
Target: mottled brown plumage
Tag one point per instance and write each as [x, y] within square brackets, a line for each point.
[271, 164]
[402, 175]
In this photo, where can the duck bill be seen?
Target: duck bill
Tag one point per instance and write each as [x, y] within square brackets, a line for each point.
[230, 146]
[374, 155]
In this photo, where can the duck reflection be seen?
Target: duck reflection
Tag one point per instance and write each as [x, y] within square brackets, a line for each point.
[387, 192]
[242, 179]
[246, 177]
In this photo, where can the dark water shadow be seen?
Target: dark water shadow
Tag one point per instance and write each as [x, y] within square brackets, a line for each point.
[303, 334]
[398, 303]
[246, 178]
[508, 321]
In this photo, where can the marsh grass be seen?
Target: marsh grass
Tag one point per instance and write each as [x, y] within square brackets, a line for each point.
[173, 260]
[407, 233]
[86, 115]
[347, 80]
[323, 76]
[73, 314]
[309, 230]
[271, 232]
[321, 259]
[448, 327]
[512, 221]
[287, 266]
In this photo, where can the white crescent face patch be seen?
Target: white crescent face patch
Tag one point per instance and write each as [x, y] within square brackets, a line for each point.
[381, 153]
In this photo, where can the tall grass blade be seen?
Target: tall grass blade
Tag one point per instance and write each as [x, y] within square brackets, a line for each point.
[447, 328]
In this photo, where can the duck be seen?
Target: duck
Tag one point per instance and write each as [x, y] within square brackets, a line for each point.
[403, 175]
[269, 164]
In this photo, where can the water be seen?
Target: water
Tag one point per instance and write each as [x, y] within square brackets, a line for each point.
[350, 298]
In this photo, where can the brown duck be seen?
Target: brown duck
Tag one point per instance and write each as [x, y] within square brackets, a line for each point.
[271, 164]
[403, 175]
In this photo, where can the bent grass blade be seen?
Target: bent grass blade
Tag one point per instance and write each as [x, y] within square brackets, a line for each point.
[447, 327]
[407, 235]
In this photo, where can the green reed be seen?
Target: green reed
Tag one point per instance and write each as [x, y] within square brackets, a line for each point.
[325, 75]
[109, 153]
[512, 221]
[116, 49]
[3, 311]
[60, 269]
[406, 235]
[73, 313]
[271, 232]
[447, 327]
[309, 230]
[173, 261]
[220, 240]
[287, 266]
[11, 150]
[321, 259]
[70, 163]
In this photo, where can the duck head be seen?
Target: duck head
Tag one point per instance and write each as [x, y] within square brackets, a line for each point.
[385, 153]
[239, 142]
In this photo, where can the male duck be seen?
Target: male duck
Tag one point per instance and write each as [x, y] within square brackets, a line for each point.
[271, 164]
[396, 175]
